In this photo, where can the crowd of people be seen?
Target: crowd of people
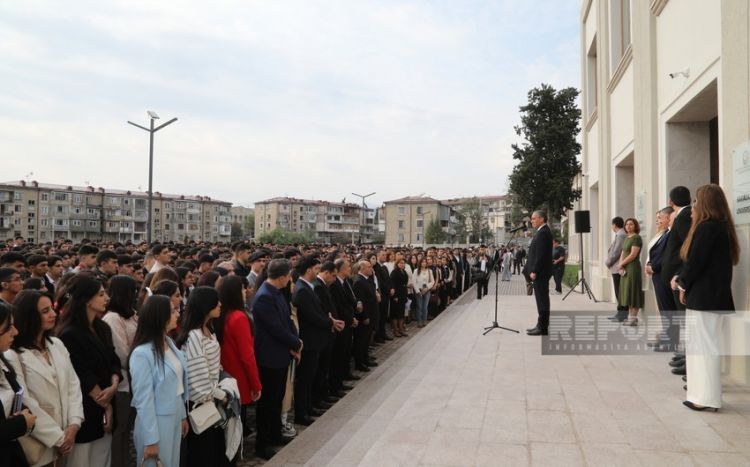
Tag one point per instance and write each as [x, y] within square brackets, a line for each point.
[165, 347]
[689, 262]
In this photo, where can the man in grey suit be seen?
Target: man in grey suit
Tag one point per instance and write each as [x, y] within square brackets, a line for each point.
[612, 261]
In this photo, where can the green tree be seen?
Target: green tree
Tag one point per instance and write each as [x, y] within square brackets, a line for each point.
[474, 221]
[548, 157]
[249, 227]
[285, 237]
[434, 233]
[236, 232]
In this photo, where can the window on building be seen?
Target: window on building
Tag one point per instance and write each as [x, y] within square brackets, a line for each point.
[400, 238]
[77, 198]
[619, 19]
[400, 224]
[401, 210]
[419, 237]
[18, 208]
[44, 210]
[32, 202]
[45, 196]
[17, 196]
[420, 210]
[420, 223]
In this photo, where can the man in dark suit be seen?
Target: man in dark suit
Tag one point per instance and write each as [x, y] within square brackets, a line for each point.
[458, 278]
[276, 342]
[323, 393]
[346, 305]
[365, 291]
[482, 270]
[679, 200]
[386, 292]
[664, 297]
[538, 269]
[315, 326]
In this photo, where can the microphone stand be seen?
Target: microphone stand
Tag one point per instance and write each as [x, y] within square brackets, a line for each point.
[494, 324]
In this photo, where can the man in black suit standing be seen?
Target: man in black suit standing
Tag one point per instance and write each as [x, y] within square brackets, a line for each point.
[386, 291]
[365, 291]
[664, 297]
[538, 268]
[323, 392]
[315, 327]
[458, 278]
[679, 200]
[347, 307]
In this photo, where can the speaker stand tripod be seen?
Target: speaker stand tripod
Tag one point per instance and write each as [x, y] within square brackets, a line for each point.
[582, 281]
[494, 324]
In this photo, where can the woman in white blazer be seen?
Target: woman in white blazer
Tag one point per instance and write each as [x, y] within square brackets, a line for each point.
[159, 380]
[53, 391]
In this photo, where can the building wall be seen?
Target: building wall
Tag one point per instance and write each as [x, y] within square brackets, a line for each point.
[648, 132]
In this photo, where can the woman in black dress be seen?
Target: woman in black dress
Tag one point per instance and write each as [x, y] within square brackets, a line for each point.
[400, 280]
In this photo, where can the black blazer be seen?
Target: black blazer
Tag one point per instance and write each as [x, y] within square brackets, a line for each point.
[706, 276]
[344, 301]
[365, 291]
[540, 254]
[671, 262]
[384, 279]
[314, 322]
[11, 429]
[94, 361]
[656, 253]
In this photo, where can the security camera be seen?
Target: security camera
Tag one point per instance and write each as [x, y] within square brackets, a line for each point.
[684, 73]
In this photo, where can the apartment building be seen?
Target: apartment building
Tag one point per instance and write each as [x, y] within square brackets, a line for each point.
[327, 221]
[43, 212]
[407, 219]
[666, 102]
[495, 212]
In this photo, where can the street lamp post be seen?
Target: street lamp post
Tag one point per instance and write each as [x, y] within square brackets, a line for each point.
[362, 225]
[153, 116]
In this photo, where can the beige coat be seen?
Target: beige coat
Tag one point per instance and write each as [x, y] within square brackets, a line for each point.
[52, 393]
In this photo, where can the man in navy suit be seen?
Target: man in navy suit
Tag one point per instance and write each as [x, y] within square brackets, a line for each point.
[538, 268]
[276, 342]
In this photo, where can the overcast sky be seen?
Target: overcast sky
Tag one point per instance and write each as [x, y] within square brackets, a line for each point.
[311, 99]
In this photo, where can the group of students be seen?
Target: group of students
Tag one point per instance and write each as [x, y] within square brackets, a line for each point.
[101, 341]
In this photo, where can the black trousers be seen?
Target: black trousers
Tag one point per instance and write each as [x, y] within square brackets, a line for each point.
[361, 343]
[622, 311]
[676, 319]
[383, 308]
[342, 354]
[320, 386]
[482, 285]
[557, 274]
[206, 448]
[268, 411]
[516, 266]
[458, 288]
[541, 295]
[303, 383]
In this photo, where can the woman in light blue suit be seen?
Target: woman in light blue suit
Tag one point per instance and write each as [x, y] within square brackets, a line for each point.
[159, 381]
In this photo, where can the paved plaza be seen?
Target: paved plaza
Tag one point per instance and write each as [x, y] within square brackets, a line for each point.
[451, 396]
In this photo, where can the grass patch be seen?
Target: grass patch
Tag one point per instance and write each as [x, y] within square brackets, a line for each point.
[570, 276]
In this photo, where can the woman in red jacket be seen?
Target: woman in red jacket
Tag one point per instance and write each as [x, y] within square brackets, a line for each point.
[237, 347]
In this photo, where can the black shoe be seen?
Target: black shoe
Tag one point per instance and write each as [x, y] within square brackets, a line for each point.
[680, 370]
[283, 441]
[676, 363]
[388, 338]
[351, 377]
[684, 378]
[362, 368]
[331, 399]
[536, 332]
[678, 357]
[338, 394]
[345, 387]
[265, 453]
[531, 329]
[313, 412]
[690, 405]
[371, 364]
[685, 387]
[304, 421]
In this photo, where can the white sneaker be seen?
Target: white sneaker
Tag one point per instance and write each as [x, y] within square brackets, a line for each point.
[288, 431]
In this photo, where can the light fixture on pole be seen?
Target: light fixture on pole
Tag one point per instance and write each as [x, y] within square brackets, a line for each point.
[152, 116]
[362, 224]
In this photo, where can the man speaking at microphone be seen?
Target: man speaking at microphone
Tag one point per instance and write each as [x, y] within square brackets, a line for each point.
[538, 270]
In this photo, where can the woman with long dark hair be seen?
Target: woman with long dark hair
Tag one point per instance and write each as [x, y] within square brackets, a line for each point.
[42, 366]
[89, 343]
[400, 280]
[709, 253]
[123, 321]
[158, 378]
[203, 356]
[233, 331]
[12, 425]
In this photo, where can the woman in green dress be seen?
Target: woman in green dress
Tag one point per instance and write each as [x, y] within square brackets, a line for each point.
[631, 290]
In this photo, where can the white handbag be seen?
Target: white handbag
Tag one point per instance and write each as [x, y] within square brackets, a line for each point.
[204, 416]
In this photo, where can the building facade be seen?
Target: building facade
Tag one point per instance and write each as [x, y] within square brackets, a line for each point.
[666, 102]
[327, 221]
[45, 212]
[243, 217]
[406, 219]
